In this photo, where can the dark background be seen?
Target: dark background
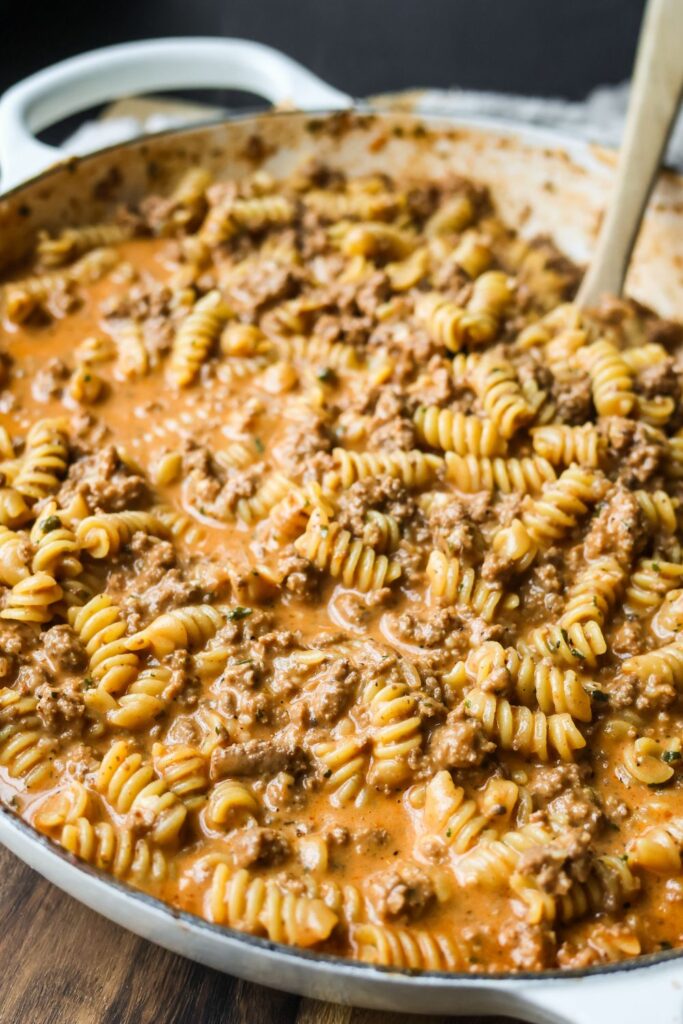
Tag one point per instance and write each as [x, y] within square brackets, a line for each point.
[544, 47]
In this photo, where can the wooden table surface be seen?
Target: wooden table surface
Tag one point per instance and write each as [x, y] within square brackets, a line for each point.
[64, 964]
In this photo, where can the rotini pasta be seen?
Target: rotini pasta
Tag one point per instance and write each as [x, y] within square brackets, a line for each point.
[341, 570]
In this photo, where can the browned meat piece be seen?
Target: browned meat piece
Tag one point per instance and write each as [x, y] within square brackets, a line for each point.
[382, 494]
[49, 380]
[403, 893]
[268, 283]
[458, 743]
[106, 481]
[64, 650]
[61, 710]
[436, 386]
[548, 782]
[428, 631]
[302, 441]
[262, 758]
[262, 846]
[573, 399]
[635, 450]
[298, 576]
[335, 687]
[453, 528]
[392, 424]
[372, 293]
[659, 379]
[615, 528]
[139, 302]
[529, 947]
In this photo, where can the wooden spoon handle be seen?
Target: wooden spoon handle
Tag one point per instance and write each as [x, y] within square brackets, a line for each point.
[655, 97]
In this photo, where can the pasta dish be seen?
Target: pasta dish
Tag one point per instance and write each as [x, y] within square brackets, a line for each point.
[341, 579]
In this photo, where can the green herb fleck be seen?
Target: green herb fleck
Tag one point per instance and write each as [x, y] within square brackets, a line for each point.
[655, 566]
[326, 374]
[664, 944]
[235, 614]
[449, 833]
[671, 755]
[88, 682]
[599, 695]
[50, 524]
[259, 445]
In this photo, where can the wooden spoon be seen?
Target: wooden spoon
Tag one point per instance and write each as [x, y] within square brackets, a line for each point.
[655, 98]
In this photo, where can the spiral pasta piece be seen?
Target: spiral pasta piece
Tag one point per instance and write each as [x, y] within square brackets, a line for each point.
[510, 476]
[561, 504]
[458, 432]
[611, 378]
[332, 549]
[71, 243]
[382, 531]
[231, 805]
[105, 534]
[396, 731]
[13, 557]
[273, 490]
[44, 461]
[101, 629]
[190, 627]
[444, 320]
[578, 645]
[564, 445]
[13, 508]
[553, 690]
[143, 701]
[449, 815]
[182, 528]
[319, 352]
[56, 546]
[663, 665]
[531, 733]
[116, 850]
[32, 294]
[405, 948]
[224, 221]
[650, 582]
[658, 509]
[264, 908]
[195, 337]
[658, 849]
[25, 751]
[455, 584]
[495, 381]
[32, 599]
[591, 598]
[413, 468]
[130, 785]
[346, 766]
[491, 863]
[185, 771]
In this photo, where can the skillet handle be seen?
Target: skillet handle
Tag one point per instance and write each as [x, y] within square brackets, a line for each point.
[133, 68]
[636, 996]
